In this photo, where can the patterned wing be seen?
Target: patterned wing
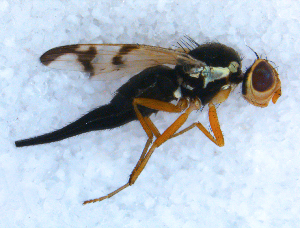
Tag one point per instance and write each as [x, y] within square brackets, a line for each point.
[112, 61]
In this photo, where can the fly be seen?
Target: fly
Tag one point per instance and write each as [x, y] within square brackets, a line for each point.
[202, 75]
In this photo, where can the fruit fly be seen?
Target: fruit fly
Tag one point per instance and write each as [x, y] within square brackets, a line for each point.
[193, 75]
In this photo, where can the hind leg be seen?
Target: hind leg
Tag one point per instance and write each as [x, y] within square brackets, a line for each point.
[150, 129]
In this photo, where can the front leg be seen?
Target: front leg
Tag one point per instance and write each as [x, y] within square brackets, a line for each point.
[217, 136]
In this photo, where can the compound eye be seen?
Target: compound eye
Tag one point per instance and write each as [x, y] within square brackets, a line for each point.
[261, 83]
[263, 77]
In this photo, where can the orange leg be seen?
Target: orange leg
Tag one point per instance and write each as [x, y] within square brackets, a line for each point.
[152, 126]
[146, 122]
[217, 136]
[160, 140]
[150, 130]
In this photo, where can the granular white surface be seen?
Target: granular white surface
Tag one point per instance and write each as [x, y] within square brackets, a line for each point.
[253, 181]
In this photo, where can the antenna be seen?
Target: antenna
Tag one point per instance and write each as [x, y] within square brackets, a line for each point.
[254, 52]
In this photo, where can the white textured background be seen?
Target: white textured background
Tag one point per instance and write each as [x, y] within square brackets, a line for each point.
[253, 181]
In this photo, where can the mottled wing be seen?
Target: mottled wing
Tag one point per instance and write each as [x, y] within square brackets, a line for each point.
[112, 61]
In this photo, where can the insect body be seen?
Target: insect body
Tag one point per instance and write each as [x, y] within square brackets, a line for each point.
[202, 76]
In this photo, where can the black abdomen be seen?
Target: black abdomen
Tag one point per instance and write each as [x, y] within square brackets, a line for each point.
[156, 83]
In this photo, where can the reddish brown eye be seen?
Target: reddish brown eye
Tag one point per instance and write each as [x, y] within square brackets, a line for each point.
[263, 77]
[261, 84]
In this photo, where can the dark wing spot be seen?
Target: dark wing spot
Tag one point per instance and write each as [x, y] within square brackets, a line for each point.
[118, 59]
[51, 55]
[84, 57]
[128, 48]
